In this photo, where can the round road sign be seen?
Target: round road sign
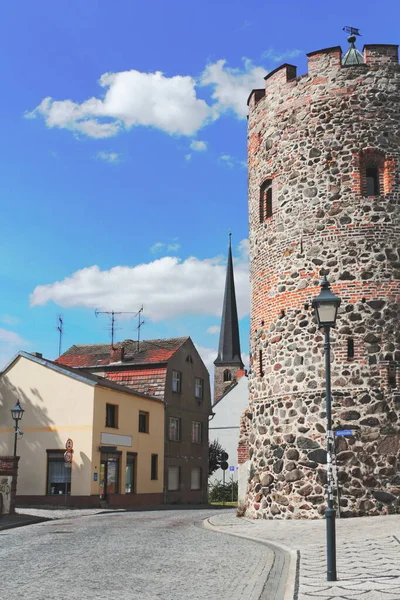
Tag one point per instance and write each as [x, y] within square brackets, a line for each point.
[69, 444]
[68, 456]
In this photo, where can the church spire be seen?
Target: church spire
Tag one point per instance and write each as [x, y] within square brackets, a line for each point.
[229, 341]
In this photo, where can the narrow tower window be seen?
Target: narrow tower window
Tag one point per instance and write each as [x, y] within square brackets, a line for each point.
[372, 181]
[260, 363]
[227, 375]
[350, 348]
[392, 375]
[266, 200]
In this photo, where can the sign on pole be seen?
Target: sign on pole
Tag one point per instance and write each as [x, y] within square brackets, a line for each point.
[344, 432]
[231, 468]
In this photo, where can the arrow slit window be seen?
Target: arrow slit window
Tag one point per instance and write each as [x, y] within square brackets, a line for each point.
[58, 473]
[266, 200]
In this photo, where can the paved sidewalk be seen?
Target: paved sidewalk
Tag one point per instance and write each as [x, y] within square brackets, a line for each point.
[368, 555]
[19, 520]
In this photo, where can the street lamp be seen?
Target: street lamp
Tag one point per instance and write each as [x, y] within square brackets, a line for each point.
[17, 413]
[326, 306]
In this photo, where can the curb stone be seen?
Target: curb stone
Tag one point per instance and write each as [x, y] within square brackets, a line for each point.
[282, 579]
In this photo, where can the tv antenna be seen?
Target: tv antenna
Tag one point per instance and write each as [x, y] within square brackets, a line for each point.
[112, 314]
[140, 324]
[60, 329]
[351, 30]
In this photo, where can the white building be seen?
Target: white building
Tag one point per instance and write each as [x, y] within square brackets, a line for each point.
[224, 426]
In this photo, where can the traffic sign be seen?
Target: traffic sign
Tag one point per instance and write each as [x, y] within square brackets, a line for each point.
[224, 466]
[224, 456]
[344, 432]
[69, 444]
[68, 456]
[232, 468]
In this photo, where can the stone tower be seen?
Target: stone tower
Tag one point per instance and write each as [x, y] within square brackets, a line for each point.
[229, 359]
[324, 198]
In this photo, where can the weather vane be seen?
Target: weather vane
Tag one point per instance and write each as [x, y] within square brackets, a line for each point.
[351, 30]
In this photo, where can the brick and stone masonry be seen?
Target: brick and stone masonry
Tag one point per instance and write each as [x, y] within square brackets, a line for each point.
[324, 195]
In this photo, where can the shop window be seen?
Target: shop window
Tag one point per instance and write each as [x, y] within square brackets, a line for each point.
[130, 474]
[58, 473]
[195, 479]
[143, 422]
[154, 466]
[111, 415]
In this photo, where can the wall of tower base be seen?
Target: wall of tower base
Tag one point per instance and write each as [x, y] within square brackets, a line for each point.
[287, 456]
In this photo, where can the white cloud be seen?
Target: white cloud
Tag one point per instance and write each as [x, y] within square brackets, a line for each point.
[227, 160]
[160, 246]
[157, 247]
[9, 319]
[208, 356]
[244, 249]
[188, 157]
[110, 157]
[173, 247]
[214, 329]
[168, 287]
[232, 86]
[132, 98]
[10, 344]
[198, 146]
[276, 56]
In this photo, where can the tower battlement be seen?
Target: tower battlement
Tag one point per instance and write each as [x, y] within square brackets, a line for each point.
[323, 65]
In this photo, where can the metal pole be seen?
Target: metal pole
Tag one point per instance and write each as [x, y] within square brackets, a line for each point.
[15, 437]
[223, 483]
[330, 512]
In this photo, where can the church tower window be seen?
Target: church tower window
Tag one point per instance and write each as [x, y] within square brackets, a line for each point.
[266, 200]
[227, 375]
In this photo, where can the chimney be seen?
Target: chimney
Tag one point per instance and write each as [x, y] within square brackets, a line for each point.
[117, 354]
[37, 354]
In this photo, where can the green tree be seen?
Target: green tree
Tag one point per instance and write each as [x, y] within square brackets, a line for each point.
[214, 456]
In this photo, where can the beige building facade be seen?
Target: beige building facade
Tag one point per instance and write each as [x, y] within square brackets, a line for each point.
[117, 436]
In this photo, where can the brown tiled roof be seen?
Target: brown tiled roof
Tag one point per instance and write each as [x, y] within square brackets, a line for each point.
[148, 351]
[144, 381]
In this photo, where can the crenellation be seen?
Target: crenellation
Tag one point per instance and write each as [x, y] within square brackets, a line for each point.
[381, 54]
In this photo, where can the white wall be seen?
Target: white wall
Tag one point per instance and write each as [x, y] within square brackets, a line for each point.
[224, 427]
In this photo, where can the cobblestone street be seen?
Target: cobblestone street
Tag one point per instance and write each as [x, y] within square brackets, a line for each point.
[160, 555]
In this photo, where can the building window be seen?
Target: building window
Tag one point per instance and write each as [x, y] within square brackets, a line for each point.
[154, 466]
[174, 476]
[143, 422]
[373, 172]
[266, 200]
[176, 381]
[130, 473]
[196, 432]
[392, 375]
[174, 429]
[58, 473]
[227, 375]
[350, 348]
[111, 415]
[195, 479]
[198, 392]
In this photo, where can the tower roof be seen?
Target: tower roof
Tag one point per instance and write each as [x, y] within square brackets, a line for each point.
[229, 341]
[352, 56]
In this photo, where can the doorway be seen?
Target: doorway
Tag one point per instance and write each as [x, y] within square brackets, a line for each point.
[109, 475]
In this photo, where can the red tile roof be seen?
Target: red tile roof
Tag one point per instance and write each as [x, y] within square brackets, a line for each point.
[147, 351]
[144, 381]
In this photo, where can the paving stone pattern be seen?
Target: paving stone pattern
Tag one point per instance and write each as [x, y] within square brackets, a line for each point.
[157, 555]
[314, 137]
[368, 554]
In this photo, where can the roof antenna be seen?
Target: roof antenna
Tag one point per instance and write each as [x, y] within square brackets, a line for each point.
[141, 322]
[60, 329]
[112, 314]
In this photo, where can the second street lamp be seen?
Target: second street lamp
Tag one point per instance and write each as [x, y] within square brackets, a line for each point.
[326, 306]
[17, 413]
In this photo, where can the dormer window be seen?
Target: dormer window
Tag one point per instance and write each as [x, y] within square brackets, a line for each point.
[266, 200]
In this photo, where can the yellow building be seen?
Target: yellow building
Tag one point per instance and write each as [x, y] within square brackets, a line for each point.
[117, 436]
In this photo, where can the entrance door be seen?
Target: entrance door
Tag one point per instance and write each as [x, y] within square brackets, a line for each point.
[109, 476]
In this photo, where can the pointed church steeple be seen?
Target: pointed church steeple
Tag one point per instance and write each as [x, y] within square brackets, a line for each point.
[229, 359]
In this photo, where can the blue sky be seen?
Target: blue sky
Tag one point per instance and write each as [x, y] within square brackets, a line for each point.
[123, 154]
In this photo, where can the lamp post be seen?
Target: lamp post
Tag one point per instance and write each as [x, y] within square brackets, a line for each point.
[326, 307]
[17, 413]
